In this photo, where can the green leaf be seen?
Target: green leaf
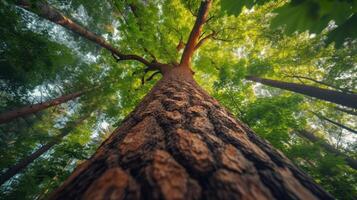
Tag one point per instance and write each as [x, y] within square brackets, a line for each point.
[234, 7]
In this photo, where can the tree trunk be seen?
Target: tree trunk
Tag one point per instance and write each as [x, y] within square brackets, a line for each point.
[179, 143]
[321, 83]
[345, 99]
[335, 123]
[21, 112]
[329, 148]
[22, 164]
[348, 111]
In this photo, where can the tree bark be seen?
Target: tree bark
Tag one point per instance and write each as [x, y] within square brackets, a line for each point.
[345, 99]
[22, 164]
[179, 143]
[329, 148]
[192, 42]
[21, 112]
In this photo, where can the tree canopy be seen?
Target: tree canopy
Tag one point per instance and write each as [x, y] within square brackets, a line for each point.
[306, 42]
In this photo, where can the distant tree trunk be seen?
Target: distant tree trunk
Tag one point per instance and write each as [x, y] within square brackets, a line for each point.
[345, 99]
[335, 123]
[179, 143]
[322, 83]
[348, 111]
[329, 148]
[31, 109]
[22, 164]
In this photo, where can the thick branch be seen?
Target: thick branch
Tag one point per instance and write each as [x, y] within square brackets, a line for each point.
[46, 11]
[195, 33]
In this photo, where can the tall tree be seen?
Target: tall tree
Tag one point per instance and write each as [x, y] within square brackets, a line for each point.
[30, 109]
[314, 139]
[345, 99]
[335, 123]
[22, 164]
[183, 144]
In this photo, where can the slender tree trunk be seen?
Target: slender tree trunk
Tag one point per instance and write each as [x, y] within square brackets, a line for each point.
[348, 111]
[322, 83]
[22, 164]
[31, 109]
[179, 143]
[329, 148]
[345, 99]
[335, 123]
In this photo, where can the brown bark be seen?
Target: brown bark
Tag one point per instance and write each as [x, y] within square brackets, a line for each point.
[31, 109]
[44, 10]
[329, 148]
[345, 99]
[22, 164]
[195, 33]
[179, 143]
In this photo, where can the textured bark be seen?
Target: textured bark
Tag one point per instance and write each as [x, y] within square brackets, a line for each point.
[31, 109]
[329, 148]
[345, 99]
[179, 143]
[22, 164]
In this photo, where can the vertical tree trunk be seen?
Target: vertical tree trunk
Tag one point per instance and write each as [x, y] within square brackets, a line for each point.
[179, 143]
[21, 112]
[22, 164]
[345, 99]
[329, 148]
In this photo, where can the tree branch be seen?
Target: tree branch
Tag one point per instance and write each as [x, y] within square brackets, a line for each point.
[46, 11]
[195, 33]
[204, 39]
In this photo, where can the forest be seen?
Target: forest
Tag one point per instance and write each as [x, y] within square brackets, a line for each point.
[178, 99]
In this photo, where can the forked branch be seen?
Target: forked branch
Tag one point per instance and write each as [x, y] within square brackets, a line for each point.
[46, 11]
[204, 39]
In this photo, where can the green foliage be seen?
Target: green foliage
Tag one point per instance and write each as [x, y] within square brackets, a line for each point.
[234, 7]
[28, 58]
[274, 118]
[312, 15]
[308, 15]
